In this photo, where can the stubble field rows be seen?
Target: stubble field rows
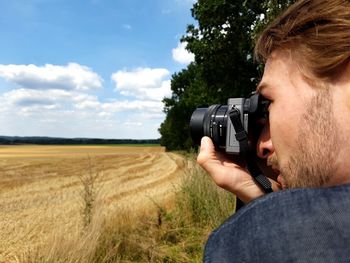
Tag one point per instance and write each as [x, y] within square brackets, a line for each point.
[41, 188]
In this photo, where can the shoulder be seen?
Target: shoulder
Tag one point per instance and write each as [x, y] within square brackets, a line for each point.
[299, 225]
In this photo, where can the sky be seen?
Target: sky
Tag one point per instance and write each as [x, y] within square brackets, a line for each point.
[89, 68]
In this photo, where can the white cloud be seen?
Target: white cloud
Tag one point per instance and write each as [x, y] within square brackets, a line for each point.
[143, 83]
[135, 105]
[34, 101]
[181, 55]
[50, 110]
[27, 98]
[86, 102]
[130, 123]
[70, 77]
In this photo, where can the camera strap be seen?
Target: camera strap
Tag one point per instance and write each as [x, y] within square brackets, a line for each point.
[249, 156]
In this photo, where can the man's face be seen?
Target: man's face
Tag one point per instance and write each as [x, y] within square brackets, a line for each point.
[301, 140]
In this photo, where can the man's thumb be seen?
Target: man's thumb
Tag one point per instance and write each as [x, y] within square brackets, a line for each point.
[207, 145]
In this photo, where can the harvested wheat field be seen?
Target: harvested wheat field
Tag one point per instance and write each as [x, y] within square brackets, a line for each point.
[42, 188]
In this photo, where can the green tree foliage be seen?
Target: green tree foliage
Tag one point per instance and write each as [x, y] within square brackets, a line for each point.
[271, 10]
[223, 67]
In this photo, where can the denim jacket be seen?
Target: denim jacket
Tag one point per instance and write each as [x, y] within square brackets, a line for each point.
[298, 225]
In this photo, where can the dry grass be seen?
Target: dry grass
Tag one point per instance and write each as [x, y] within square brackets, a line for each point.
[41, 202]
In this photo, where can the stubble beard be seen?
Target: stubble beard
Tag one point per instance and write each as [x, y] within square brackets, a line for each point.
[314, 162]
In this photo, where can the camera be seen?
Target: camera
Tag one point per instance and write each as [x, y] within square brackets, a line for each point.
[233, 127]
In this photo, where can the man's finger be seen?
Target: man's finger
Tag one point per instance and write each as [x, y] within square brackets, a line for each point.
[207, 150]
[207, 144]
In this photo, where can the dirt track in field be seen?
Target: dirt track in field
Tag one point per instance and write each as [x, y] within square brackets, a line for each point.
[41, 187]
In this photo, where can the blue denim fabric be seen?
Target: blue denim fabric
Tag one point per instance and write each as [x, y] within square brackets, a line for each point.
[299, 225]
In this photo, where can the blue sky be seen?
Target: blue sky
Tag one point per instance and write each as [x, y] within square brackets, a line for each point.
[93, 68]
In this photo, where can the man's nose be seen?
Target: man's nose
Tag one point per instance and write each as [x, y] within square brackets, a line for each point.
[264, 146]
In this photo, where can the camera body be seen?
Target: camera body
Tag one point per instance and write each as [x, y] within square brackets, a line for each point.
[234, 129]
[232, 144]
[226, 124]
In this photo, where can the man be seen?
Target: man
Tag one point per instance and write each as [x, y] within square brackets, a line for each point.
[306, 51]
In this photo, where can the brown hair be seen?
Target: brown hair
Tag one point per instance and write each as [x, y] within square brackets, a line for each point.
[316, 31]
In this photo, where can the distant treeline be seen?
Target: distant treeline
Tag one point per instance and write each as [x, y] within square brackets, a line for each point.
[55, 140]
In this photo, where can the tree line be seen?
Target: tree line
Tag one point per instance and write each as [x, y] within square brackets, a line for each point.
[71, 141]
[222, 42]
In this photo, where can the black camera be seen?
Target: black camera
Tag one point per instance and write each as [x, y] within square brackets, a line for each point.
[234, 128]
[231, 126]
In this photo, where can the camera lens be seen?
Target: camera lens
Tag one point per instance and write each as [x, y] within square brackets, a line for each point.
[212, 122]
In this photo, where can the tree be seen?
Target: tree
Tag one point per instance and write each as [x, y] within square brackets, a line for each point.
[187, 93]
[223, 68]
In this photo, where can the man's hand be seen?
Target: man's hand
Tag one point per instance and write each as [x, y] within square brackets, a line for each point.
[227, 174]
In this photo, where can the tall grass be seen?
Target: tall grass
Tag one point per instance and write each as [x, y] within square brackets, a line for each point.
[89, 190]
[202, 201]
[174, 231]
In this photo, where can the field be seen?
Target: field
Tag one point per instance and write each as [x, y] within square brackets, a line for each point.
[45, 189]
